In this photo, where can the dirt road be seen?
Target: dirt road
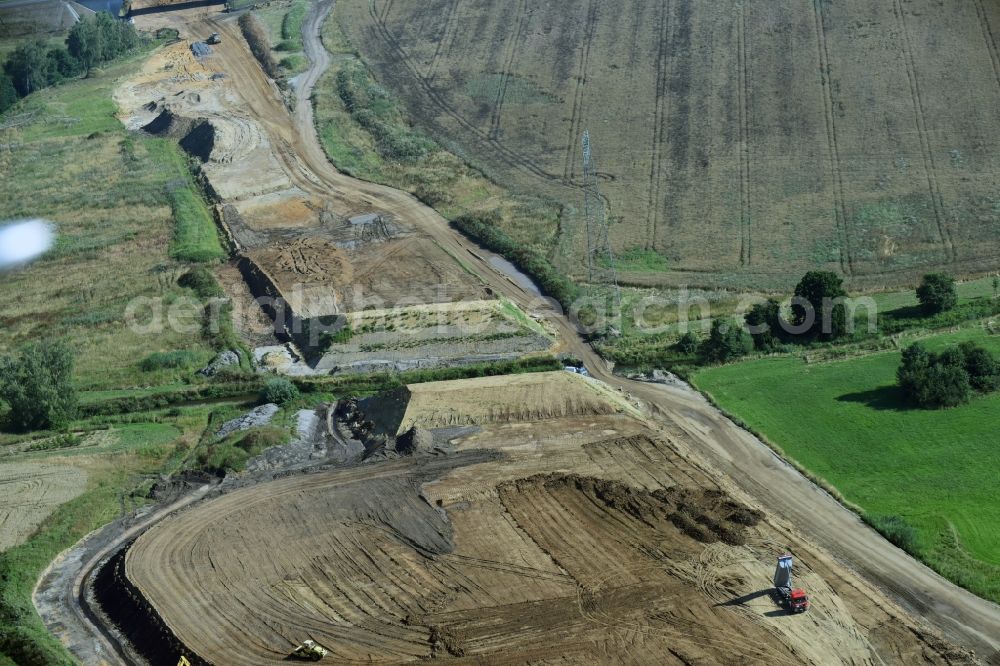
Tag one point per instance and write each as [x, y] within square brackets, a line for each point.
[964, 618]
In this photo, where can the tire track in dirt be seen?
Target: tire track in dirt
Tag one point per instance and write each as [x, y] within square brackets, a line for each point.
[447, 38]
[833, 147]
[576, 116]
[743, 55]
[991, 44]
[510, 55]
[930, 168]
[659, 124]
[506, 155]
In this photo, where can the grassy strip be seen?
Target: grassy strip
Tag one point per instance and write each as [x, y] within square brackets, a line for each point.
[910, 318]
[146, 403]
[371, 108]
[342, 385]
[291, 27]
[195, 237]
[925, 479]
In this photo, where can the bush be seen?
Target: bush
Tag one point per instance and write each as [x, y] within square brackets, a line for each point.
[8, 95]
[899, 533]
[726, 343]
[169, 360]
[983, 368]
[66, 441]
[38, 386]
[233, 452]
[947, 379]
[688, 344]
[936, 293]
[279, 391]
[260, 45]
[338, 337]
[766, 325]
[294, 63]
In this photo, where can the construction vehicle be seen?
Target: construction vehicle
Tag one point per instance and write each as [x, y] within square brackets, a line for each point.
[793, 598]
[214, 38]
[184, 661]
[310, 649]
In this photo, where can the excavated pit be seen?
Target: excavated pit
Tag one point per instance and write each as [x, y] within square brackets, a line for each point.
[135, 618]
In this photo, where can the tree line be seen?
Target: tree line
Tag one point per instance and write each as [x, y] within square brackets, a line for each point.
[93, 41]
[819, 313]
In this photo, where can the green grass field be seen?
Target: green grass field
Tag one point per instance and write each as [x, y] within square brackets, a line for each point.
[67, 158]
[846, 422]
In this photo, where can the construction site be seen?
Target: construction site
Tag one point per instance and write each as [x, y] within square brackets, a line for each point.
[555, 517]
[488, 523]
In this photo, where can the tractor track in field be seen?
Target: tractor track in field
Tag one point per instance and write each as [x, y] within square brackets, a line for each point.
[443, 46]
[507, 155]
[576, 115]
[991, 43]
[833, 145]
[930, 167]
[746, 201]
[656, 163]
[507, 70]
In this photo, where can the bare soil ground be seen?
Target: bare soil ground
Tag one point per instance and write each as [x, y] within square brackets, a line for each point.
[29, 492]
[296, 232]
[744, 142]
[547, 533]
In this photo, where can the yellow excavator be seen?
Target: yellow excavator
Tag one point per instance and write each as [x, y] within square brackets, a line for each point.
[310, 649]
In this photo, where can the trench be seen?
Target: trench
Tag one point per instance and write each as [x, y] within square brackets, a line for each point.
[135, 618]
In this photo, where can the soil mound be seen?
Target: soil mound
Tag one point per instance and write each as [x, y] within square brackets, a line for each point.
[385, 411]
[703, 514]
[200, 141]
[413, 440]
[168, 123]
[508, 399]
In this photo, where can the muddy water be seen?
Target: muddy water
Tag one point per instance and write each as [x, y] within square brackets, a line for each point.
[511, 271]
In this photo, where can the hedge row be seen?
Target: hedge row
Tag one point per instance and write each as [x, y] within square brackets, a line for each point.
[260, 44]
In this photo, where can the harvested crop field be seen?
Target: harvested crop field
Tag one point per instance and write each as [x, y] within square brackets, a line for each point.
[29, 492]
[755, 139]
[544, 534]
